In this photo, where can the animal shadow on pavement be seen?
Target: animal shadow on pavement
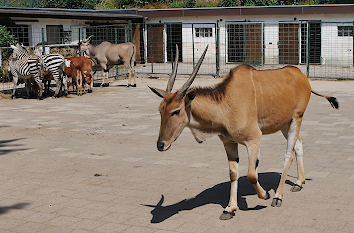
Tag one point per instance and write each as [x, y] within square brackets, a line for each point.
[218, 194]
[7, 146]
[18, 206]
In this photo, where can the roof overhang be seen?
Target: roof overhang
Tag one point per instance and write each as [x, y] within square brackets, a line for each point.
[70, 13]
[243, 11]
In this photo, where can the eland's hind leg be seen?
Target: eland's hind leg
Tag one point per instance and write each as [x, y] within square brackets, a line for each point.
[299, 159]
[292, 132]
[231, 149]
[299, 152]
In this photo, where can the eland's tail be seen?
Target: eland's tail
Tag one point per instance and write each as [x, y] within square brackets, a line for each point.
[332, 100]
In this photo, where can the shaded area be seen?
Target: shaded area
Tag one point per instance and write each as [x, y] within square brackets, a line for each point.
[6, 146]
[18, 206]
[218, 194]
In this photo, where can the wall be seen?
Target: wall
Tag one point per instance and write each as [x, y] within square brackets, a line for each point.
[68, 25]
[332, 53]
[336, 49]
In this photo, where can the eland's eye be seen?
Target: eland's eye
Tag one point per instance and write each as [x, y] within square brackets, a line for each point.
[176, 112]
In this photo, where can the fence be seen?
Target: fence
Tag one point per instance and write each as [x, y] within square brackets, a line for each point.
[319, 49]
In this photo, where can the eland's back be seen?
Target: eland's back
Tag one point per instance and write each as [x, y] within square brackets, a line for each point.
[273, 97]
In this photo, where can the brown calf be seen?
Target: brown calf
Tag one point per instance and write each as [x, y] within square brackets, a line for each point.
[84, 65]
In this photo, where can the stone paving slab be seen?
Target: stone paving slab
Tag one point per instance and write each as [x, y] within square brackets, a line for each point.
[90, 164]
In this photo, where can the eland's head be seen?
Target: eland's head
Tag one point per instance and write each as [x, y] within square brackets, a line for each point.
[84, 45]
[175, 107]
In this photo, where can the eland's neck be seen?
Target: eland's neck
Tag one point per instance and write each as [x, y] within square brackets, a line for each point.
[207, 115]
[91, 50]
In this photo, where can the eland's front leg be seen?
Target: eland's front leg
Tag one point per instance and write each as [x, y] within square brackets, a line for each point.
[105, 73]
[232, 156]
[253, 160]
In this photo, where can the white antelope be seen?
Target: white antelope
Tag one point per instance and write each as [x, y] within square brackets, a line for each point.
[246, 104]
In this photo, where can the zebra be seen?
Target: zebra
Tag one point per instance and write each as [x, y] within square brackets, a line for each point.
[26, 69]
[51, 63]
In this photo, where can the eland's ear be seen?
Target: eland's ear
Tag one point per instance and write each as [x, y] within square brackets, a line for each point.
[13, 46]
[158, 92]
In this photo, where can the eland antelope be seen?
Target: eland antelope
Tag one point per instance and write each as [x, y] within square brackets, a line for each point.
[246, 104]
[107, 54]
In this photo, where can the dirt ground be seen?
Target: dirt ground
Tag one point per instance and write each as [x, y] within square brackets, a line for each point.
[89, 164]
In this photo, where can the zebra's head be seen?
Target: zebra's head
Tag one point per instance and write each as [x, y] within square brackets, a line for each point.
[19, 52]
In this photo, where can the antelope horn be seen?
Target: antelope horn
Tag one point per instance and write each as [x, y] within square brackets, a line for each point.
[183, 90]
[172, 79]
[89, 38]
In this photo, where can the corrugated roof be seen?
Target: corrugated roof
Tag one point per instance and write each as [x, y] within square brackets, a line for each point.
[69, 13]
[250, 10]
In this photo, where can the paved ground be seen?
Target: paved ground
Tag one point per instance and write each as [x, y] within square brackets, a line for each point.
[89, 164]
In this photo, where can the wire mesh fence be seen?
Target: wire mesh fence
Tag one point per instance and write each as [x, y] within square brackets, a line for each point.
[319, 49]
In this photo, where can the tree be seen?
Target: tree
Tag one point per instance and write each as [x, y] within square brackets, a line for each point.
[68, 4]
[6, 38]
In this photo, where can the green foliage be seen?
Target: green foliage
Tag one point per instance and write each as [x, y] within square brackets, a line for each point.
[230, 3]
[68, 4]
[6, 39]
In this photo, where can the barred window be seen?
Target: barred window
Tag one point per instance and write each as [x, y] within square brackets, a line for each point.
[21, 32]
[54, 34]
[203, 32]
[345, 31]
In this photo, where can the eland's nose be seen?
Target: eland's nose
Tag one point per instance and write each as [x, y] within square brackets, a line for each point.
[160, 146]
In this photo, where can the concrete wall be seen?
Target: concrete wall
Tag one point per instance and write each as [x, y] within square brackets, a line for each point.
[334, 49]
[35, 29]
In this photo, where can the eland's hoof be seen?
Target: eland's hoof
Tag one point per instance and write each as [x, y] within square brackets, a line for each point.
[12, 96]
[295, 188]
[89, 91]
[226, 215]
[267, 196]
[134, 85]
[276, 202]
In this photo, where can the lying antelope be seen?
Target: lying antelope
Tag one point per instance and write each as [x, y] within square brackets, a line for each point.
[107, 54]
[245, 105]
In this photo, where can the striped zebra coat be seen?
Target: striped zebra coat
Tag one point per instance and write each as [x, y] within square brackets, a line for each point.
[51, 64]
[27, 68]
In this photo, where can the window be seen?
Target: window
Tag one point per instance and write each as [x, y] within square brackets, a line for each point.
[55, 34]
[345, 30]
[203, 32]
[21, 32]
[244, 43]
[113, 34]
